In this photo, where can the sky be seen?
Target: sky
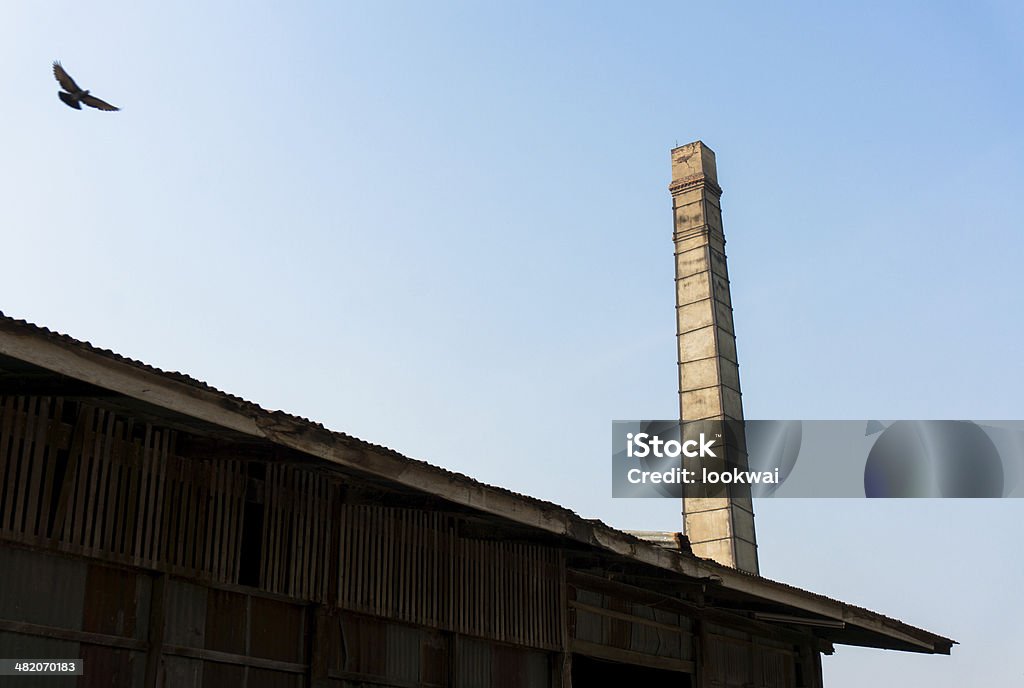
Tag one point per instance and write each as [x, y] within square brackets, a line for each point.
[445, 227]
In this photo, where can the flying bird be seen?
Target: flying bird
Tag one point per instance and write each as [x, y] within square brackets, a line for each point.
[76, 95]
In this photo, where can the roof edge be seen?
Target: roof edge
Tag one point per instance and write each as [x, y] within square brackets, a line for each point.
[176, 392]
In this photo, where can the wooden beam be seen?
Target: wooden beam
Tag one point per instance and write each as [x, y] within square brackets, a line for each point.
[622, 616]
[238, 660]
[616, 654]
[25, 628]
[725, 618]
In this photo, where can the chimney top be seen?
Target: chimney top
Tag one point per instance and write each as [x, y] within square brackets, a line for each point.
[694, 161]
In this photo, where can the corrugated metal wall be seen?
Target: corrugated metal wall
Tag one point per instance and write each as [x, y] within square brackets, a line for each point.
[617, 622]
[180, 532]
[89, 481]
[479, 663]
[297, 532]
[614, 622]
[56, 607]
[216, 637]
[736, 660]
[154, 545]
[412, 566]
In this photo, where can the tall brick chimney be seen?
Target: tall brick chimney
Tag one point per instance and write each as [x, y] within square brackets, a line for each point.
[719, 528]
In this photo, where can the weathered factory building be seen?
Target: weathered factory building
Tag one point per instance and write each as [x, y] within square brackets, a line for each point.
[171, 534]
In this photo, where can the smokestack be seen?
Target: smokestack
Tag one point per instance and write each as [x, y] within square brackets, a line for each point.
[719, 528]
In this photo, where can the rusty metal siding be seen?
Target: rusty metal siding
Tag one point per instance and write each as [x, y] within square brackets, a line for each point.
[735, 658]
[182, 671]
[480, 663]
[736, 663]
[199, 619]
[296, 532]
[108, 666]
[185, 614]
[227, 622]
[360, 646]
[472, 662]
[232, 637]
[277, 630]
[94, 482]
[116, 602]
[116, 605]
[367, 650]
[42, 588]
[615, 621]
[516, 667]
[584, 624]
[394, 562]
[776, 668]
[730, 662]
[31, 438]
[55, 607]
[663, 633]
[403, 653]
[412, 566]
[435, 656]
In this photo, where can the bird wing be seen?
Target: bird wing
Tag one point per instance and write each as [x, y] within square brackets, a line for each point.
[65, 81]
[69, 100]
[93, 101]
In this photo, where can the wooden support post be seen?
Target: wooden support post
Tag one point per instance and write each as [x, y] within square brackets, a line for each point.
[154, 656]
[566, 618]
[318, 646]
[700, 654]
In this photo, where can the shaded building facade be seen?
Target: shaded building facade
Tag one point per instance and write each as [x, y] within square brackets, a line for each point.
[172, 534]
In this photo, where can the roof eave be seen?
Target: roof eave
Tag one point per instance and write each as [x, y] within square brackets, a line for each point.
[86, 363]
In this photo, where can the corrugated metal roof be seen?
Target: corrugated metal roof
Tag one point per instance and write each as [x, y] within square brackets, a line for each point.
[38, 330]
[30, 329]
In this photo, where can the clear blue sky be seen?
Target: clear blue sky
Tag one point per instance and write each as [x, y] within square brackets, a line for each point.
[446, 228]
